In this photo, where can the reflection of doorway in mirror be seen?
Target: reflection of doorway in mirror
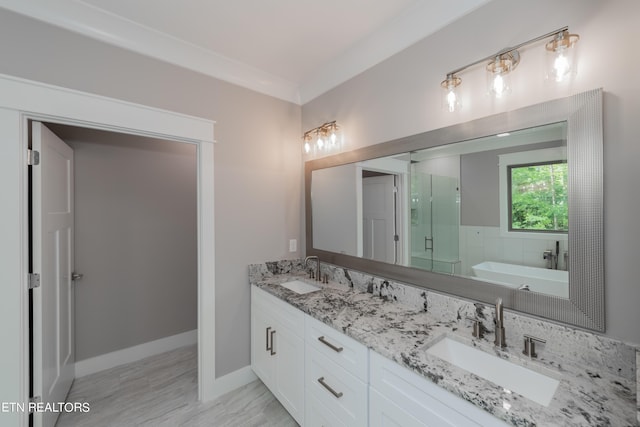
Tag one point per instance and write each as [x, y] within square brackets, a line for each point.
[379, 212]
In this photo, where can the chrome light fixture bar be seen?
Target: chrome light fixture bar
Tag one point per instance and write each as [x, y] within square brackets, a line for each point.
[325, 136]
[561, 66]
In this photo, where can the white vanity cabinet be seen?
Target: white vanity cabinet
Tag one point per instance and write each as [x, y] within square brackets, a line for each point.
[324, 378]
[277, 349]
[336, 371]
[399, 397]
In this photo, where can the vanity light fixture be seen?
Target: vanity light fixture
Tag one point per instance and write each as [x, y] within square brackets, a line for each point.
[561, 54]
[561, 67]
[325, 135]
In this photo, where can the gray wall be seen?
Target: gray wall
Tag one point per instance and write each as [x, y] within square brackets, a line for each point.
[335, 209]
[258, 170]
[135, 239]
[401, 96]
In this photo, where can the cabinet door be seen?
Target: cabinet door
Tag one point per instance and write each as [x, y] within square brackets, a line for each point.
[385, 413]
[262, 361]
[289, 371]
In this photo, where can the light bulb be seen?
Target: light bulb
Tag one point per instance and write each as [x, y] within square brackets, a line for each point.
[451, 101]
[307, 147]
[334, 137]
[450, 97]
[498, 86]
[561, 67]
[320, 143]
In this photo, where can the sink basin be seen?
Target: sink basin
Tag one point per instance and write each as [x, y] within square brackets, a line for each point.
[300, 287]
[531, 384]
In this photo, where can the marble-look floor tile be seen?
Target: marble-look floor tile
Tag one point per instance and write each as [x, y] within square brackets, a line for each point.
[161, 391]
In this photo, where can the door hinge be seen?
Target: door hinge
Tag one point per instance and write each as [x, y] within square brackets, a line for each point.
[33, 401]
[33, 158]
[396, 238]
[34, 280]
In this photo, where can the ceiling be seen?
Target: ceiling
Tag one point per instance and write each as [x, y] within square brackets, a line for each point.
[291, 49]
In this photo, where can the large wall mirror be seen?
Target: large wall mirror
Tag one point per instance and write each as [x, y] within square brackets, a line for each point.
[506, 206]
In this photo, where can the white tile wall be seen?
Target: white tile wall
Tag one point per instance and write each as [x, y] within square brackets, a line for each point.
[479, 244]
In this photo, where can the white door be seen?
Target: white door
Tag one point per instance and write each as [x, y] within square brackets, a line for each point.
[379, 213]
[53, 300]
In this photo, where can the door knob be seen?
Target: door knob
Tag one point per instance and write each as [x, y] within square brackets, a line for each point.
[76, 276]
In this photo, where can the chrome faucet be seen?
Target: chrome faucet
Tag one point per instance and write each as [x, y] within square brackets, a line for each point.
[530, 345]
[500, 338]
[552, 259]
[317, 274]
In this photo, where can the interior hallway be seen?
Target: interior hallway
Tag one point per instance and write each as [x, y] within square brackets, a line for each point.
[162, 390]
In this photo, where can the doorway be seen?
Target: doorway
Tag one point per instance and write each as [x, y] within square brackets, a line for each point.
[24, 100]
[135, 238]
[380, 216]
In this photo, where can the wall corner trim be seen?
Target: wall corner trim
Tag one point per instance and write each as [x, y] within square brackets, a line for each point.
[135, 353]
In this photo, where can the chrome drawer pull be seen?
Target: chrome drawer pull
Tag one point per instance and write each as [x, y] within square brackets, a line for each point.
[331, 346]
[273, 353]
[267, 339]
[328, 387]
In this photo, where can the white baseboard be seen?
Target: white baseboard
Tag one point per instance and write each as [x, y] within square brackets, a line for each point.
[232, 381]
[135, 353]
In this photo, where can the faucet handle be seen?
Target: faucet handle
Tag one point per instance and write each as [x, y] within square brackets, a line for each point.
[530, 345]
[478, 327]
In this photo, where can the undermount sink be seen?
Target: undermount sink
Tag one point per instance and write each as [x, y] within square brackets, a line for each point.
[531, 384]
[300, 287]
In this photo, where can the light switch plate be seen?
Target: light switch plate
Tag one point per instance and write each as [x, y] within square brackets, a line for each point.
[293, 245]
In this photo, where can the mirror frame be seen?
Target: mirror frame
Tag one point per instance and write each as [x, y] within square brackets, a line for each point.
[585, 305]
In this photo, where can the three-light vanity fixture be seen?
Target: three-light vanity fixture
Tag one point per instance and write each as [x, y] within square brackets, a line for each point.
[560, 67]
[324, 136]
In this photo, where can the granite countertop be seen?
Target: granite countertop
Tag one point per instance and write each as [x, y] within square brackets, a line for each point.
[586, 395]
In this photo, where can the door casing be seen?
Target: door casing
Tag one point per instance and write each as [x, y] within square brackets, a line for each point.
[25, 100]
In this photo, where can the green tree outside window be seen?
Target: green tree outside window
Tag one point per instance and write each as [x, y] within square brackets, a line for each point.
[538, 197]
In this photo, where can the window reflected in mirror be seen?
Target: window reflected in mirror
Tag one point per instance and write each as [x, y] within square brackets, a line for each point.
[538, 197]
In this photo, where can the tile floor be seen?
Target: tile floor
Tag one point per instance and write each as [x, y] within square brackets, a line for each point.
[161, 391]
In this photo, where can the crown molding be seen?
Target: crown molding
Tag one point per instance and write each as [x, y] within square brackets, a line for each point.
[419, 21]
[96, 23]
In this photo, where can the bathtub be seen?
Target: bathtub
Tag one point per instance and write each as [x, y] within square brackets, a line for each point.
[550, 282]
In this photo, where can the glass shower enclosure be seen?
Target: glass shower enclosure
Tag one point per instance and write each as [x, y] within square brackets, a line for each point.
[435, 222]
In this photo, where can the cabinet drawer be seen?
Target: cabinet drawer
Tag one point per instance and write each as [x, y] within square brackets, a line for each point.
[341, 393]
[385, 413]
[420, 398]
[337, 347]
[318, 415]
[287, 315]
